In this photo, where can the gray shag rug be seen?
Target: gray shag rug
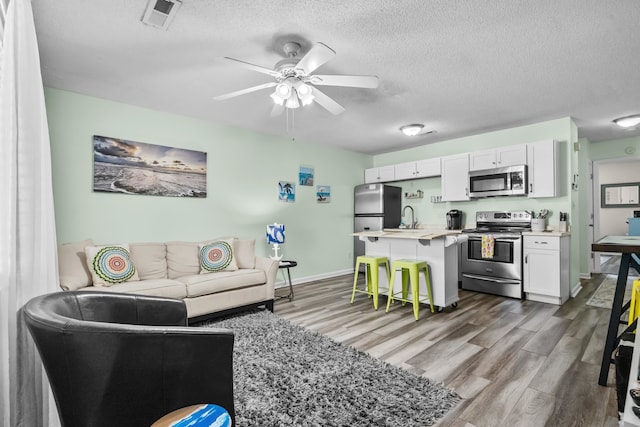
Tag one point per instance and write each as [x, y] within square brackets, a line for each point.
[285, 375]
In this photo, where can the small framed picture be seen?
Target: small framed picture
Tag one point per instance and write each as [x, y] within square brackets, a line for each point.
[286, 191]
[323, 193]
[305, 175]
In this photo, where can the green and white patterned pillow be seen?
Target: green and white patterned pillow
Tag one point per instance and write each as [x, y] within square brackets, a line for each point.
[110, 264]
[217, 256]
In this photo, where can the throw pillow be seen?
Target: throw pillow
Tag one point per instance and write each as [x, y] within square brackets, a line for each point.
[72, 265]
[110, 264]
[245, 252]
[217, 256]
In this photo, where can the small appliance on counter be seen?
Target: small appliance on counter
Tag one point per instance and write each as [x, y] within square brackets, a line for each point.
[454, 220]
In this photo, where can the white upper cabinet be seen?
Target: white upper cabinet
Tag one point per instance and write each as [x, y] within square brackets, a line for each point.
[380, 174]
[418, 169]
[543, 165]
[455, 177]
[499, 157]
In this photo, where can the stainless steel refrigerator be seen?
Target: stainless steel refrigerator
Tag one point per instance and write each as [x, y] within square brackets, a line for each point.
[376, 206]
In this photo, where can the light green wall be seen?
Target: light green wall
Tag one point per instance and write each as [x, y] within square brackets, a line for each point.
[617, 148]
[562, 130]
[243, 170]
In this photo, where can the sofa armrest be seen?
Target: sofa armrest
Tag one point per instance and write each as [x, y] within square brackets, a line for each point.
[270, 267]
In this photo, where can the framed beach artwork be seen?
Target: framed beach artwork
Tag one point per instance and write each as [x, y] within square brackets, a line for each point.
[323, 193]
[305, 175]
[286, 191]
[128, 167]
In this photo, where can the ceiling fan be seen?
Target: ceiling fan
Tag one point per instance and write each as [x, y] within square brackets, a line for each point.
[295, 85]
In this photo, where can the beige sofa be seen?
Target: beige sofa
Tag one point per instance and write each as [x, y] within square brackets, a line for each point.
[175, 269]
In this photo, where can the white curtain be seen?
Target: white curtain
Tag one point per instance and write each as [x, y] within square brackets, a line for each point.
[28, 263]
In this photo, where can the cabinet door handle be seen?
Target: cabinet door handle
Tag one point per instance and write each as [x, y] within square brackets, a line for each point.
[526, 259]
[530, 188]
[541, 243]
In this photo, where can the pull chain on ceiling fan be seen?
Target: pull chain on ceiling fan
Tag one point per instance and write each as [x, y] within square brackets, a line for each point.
[294, 84]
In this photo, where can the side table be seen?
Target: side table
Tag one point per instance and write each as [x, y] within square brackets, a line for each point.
[287, 264]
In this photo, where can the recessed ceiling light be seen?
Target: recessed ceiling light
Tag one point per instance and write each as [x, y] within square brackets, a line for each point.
[628, 122]
[412, 130]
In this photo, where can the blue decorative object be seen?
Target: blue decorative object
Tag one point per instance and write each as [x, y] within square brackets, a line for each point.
[208, 415]
[275, 236]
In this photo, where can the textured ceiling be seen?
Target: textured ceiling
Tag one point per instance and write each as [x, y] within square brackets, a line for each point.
[459, 67]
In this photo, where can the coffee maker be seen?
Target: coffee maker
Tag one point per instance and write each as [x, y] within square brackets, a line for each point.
[454, 220]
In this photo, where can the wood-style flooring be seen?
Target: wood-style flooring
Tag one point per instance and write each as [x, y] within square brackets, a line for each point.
[514, 363]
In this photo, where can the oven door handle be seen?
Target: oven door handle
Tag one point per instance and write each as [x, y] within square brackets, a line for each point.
[496, 238]
[491, 279]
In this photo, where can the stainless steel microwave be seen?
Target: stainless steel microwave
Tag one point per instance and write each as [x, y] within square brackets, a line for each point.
[508, 181]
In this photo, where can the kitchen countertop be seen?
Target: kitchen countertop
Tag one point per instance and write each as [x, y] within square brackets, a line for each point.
[546, 233]
[408, 233]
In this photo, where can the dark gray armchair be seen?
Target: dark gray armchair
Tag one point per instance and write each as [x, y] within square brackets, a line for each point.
[126, 360]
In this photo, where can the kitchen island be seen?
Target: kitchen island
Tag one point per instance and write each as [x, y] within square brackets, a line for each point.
[439, 248]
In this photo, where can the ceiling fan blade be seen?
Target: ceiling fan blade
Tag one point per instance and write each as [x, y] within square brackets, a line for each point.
[317, 55]
[254, 67]
[277, 110]
[370, 82]
[327, 102]
[243, 91]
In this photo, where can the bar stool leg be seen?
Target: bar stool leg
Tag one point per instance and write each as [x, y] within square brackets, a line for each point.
[427, 279]
[405, 286]
[393, 277]
[415, 291]
[375, 270]
[355, 281]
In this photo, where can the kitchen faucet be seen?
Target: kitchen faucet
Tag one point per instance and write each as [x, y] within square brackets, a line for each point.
[413, 221]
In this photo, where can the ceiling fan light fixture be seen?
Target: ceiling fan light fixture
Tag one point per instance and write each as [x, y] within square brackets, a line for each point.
[412, 130]
[292, 102]
[283, 90]
[277, 99]
[305, 93]
[628, 121]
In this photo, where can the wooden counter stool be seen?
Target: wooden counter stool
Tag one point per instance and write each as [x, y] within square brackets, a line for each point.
[410, 273]
[373, 265]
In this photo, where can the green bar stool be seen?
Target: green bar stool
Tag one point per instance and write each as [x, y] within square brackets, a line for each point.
[410, 273]
[373, 265]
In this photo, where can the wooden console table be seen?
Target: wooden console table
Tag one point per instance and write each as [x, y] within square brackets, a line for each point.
[629, 247]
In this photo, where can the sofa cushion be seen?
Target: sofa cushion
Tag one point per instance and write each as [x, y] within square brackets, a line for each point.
[72, 265]
[150, 260]
[204, 284]
[245, 252]
[182, 259]
[153, 287]
[217, 256]
[110, 264]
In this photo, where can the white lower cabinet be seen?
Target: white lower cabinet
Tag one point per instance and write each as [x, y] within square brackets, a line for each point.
[546, 268]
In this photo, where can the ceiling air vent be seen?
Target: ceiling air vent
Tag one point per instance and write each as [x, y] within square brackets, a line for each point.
[160, 13]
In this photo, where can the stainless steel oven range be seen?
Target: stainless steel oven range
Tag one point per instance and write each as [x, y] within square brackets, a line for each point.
[499, 273]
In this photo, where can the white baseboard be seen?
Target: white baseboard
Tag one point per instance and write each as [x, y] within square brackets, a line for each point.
[585, 276]
[307, 279]
[576, 290]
